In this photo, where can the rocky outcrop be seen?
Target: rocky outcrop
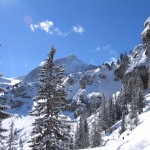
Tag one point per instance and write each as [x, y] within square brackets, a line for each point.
[146, 37]
[85, 80]
[140, 71]
[139, 65]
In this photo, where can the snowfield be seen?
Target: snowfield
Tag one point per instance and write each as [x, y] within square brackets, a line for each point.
[98, 81]
[138, 139]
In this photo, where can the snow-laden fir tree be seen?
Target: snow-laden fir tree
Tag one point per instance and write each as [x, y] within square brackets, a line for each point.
[12, 138]
[139, 95]
[3, 115]
[123, 123]
[50, 129]
[82, 133]
[96, 139]
[137, 103]
[111, 111]
[105, 121]
[20, 144]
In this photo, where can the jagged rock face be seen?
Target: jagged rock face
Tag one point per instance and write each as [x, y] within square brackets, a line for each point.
[119, 72]
[146, 37]
[85, 80]
[140, 71]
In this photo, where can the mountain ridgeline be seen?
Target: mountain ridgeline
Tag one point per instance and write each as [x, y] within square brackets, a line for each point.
[71, 65]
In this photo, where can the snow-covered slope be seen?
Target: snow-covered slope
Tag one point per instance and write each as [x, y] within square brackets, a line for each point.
[138, 139]
[96, 80]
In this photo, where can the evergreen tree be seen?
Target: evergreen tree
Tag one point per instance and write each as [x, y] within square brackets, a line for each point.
[82, 134]
[133, 110]
[117, 110]
[50, 130]
[20, 144]
[136, 119]
[123, 128]
[3, 115]
[139, 99]
[12, 138]
[123, 99]
[111, 111]
[137, 104]
[77, 143]
[95, 135]
[104, 114]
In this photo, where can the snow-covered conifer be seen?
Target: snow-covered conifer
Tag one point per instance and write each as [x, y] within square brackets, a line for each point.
[123, 123]
[82, 134]
[50, 129]
[12, 138]
[96, 139]
[104, 114]
[3, 115]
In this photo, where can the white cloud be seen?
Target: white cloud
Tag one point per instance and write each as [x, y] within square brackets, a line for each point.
[113, 59]
[26, 65]
[33, 27]
[104, 48]
[48, 27]
[60, 33]
[98, 48]
[114, 53]
[44, 25]
[78, 29]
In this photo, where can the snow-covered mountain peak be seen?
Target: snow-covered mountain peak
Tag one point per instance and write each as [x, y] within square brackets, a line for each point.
[71, 65]
[147, 28]
[71, 57]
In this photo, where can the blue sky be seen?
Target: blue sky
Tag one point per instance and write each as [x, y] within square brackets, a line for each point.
[96, 31]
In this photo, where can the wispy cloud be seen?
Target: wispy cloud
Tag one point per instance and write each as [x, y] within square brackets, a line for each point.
[113, 59]
[103, 48]
[26, 65]
[114, 53]
[108, 49]
[98, 49]
[49, 27]
[60, 33]
[78, 29]
[44, 25]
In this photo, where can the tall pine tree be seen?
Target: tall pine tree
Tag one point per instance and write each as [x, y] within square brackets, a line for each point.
[3, 115]
[82, 133]
[12, 138]
[105, 121]
[95, 135]
[50, 130]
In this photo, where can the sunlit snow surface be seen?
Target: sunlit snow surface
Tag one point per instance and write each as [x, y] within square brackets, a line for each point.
[138, 139]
